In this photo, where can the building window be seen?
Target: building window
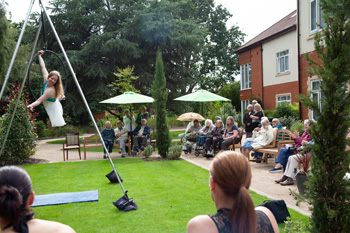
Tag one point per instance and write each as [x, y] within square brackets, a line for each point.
[282, 99]
[316, 95]
[246, 77]
[244, 105]
[316, 19]
[283, 61]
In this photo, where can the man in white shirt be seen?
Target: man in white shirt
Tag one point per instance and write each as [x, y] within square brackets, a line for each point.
[121, 133]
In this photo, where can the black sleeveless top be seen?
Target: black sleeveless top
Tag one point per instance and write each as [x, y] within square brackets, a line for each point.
[222, 221]
[22, 226]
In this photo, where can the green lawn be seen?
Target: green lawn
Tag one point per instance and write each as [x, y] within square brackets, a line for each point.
[169, 194]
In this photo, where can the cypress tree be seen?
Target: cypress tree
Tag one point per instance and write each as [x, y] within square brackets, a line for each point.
[160, 95]
[329, 192]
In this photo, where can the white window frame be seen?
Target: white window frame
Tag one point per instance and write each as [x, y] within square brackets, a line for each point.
[244, 105]
[282, 57]
[319, 23]
[246, 76]
[316, 93]
[279, 100]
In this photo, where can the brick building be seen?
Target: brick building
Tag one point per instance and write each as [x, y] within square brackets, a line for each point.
[273, 64]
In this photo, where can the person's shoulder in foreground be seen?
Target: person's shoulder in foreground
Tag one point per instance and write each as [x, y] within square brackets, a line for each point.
[201, 224]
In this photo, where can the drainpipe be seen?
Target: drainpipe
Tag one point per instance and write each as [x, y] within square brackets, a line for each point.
[262, 75]
[299, 58]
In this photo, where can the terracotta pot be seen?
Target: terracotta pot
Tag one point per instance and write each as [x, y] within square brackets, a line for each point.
[300, 179]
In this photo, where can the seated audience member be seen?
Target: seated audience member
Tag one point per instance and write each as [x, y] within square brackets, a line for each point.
[291, 169]
[16, 197]
[216, 118]
[231, 133]
[108, 137]
[284, 154]
[121, 133]
[248, 121]
[261, 138]
[256, 116]
[275, 124]
[214, 138]
[203, 132]
[191, 134]
[141, 134]
[230, 178]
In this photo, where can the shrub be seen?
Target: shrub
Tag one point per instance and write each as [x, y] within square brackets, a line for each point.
[21, 140]
[61, 131]
[40, 128]
[294, 226]
[228, 110]
[147, 152]
[285, 109]
[269, 113]
[288, 121]
[174, 152]
[298, 126]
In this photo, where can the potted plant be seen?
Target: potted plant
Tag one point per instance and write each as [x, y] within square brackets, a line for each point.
[304, 167]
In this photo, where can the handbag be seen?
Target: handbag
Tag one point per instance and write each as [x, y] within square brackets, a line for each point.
[278, 208]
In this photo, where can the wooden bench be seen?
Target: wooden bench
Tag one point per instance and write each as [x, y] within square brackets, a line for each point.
[281, 138]
[89, 142]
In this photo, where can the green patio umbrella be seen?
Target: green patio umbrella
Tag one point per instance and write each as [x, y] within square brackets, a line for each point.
[128, 98]
[202, 96]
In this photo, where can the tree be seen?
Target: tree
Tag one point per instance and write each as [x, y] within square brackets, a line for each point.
[329, 192]
[232, 91]
[101, 35]
[21, 140]
[160, 95]
[125, 77]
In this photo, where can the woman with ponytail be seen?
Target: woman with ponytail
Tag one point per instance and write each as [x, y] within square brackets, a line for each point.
[230, 177]
[16, 196]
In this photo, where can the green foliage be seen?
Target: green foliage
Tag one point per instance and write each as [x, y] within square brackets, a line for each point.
[268, 113]
[294, 226]
[257, 99]
[125, 80]
[228, 110]
[172, 122]
[40, 128]
[147, 152]
[102, 35]
[160, 95]
[21, 140]
[328, 190]
[288, 121]
[286, 109]
[174, 152]
[60, 131]
[232, 91]
[298, 126]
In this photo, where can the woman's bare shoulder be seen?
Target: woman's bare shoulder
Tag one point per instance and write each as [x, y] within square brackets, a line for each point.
[201, 224]
[39, 225]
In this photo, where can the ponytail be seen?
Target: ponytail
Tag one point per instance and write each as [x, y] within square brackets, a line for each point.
[243, 217]
[10, 204]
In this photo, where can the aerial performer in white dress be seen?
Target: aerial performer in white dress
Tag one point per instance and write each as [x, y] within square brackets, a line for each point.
[51, 94]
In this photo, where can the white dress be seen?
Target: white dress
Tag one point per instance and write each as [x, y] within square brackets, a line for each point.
[54, 109]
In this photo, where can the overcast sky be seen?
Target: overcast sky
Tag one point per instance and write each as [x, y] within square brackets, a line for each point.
[252, 16]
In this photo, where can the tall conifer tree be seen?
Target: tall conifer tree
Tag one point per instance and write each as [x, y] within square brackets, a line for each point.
[329, 191]
[160, 94]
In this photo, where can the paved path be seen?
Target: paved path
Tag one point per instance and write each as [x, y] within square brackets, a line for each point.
[262, 181]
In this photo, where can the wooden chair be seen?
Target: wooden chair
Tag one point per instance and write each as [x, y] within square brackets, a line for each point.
[72, 143]
[234, 145]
